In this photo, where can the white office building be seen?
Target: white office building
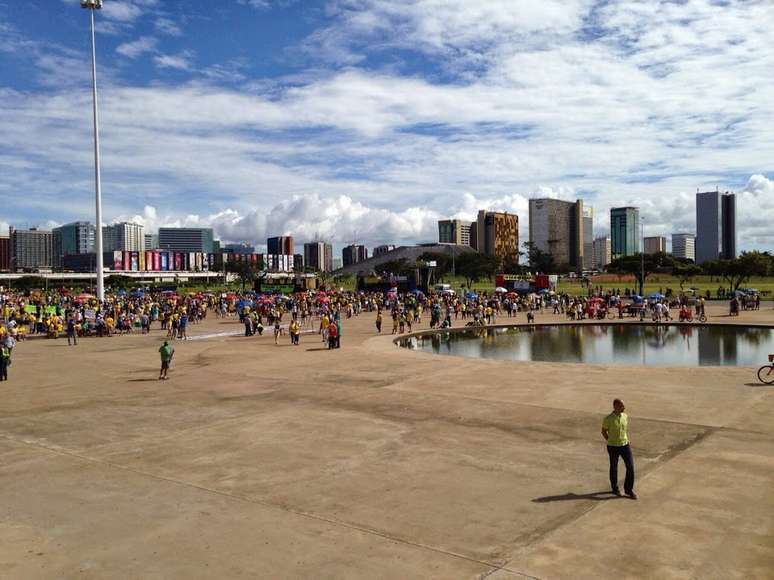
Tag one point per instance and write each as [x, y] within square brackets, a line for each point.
[684, 246]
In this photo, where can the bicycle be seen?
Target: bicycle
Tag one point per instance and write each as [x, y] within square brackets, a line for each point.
[766, 372]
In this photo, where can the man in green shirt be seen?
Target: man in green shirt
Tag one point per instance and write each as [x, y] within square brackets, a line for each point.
[166, 351]
[615, 431]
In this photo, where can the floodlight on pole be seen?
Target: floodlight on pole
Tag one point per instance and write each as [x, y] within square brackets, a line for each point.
[93, 5]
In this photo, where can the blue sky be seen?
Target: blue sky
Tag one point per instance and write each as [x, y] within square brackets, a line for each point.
[368, 120]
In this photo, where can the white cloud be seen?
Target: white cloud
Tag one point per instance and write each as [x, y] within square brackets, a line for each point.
[137, 47]
[337, 218]
[168, 26]
[126, 11]
[180, 61]
[634, 102]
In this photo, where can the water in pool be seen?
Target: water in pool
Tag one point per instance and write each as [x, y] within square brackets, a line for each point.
[625, 344]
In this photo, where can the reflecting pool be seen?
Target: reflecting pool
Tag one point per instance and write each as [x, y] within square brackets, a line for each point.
[624, 344]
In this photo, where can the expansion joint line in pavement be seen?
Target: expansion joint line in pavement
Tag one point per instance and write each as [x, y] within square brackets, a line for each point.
[300, 513]
[659, 463]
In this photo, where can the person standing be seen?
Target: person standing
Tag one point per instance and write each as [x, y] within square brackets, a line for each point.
[167, 352]
[615, 431]
[332, 334]
[379, 322]
[72, 335]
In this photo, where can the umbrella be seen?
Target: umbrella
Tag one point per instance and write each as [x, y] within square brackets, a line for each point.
[500, 289]
[656, 296]
[597, 299]
[636, 298]
[471, 295]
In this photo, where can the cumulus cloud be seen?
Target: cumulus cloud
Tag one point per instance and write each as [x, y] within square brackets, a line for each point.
[137, 47]
[126, 10]
[338, 219]
[181, 61]
[496, 103]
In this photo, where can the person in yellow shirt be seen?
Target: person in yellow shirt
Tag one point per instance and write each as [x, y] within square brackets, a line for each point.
[324, 323]
[615, 430]
[295, 332]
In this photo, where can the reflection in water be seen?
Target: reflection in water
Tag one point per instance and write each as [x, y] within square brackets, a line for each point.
[657, 345]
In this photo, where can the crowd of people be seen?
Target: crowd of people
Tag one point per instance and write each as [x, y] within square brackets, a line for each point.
[62, 313]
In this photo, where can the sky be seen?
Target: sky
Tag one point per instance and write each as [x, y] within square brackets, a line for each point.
[368, 120]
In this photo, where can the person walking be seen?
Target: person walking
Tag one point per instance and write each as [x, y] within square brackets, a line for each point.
[5, 361]
[295, 331]
[615, 431]
[166, 351]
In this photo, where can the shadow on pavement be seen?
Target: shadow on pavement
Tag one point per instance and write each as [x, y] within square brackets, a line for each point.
[596, 495]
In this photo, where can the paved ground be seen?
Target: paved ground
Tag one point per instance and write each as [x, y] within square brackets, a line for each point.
[268, 461]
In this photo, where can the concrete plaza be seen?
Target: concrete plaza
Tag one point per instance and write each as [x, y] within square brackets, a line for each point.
[264, 461]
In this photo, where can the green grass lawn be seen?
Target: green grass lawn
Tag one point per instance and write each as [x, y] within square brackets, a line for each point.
[654, 283]
[661, 282]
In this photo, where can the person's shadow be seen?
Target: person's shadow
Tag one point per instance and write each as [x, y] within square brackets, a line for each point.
[595, 495]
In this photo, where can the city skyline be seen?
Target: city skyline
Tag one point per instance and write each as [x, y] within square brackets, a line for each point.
[319, 129]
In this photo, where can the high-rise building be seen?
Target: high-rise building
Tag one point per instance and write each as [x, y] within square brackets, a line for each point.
[602, 252]
[5, 253]
[338, 262]
[151, 241]
[353, 254]
[715, 226]
[496, 234]
[453, 232]
[556, 227]
[242, 248]
[588, 237]
[318, 255]
[655, 244]
[123, 236]
[624, 231]
[684, 246]
[71, 239]
[383, 249]
[281, 245]
[186, 239]
[31, 249]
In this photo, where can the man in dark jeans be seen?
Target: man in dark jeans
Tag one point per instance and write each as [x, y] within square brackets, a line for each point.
[615, 431]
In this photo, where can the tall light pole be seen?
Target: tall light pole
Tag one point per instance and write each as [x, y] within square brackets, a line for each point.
[642, 255]
[91, 6]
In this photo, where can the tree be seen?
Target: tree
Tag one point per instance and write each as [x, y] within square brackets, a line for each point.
[511, 265]
[474, 266]
[246, 270]
[118, 281]
[443, 262]
[684, 272]
[634, 265]
[400, 267]
[539, 260]
[749, 264]
[29, 283]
